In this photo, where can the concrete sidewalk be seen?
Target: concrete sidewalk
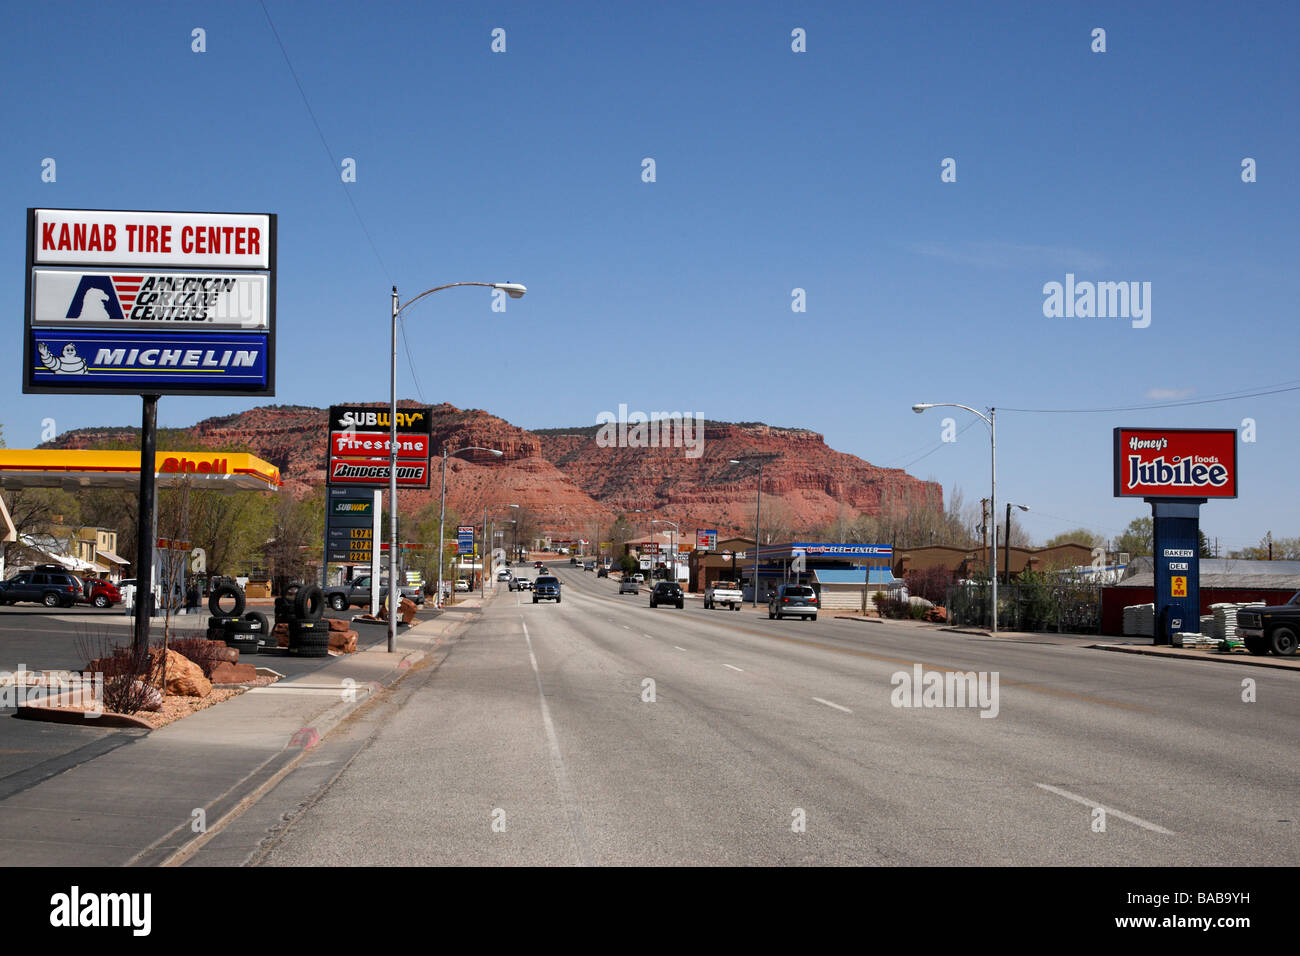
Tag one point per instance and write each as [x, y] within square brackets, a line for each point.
[152, 798]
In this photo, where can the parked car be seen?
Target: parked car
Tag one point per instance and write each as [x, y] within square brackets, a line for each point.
[573, 561]
[46, 584]
[603, 572]
[547, 588]
[629, 586]
[792, 600]
[725, 593]
[100, 593]
[667, 592]
[1270, 628]
[639, 578]
[356, 593]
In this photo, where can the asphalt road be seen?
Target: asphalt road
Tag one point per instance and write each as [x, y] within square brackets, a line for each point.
[537, 742]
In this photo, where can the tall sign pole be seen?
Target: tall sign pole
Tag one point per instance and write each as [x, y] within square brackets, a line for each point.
[144, 542]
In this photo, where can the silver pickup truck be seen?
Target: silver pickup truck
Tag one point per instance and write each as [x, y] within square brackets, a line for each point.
[356, 593]
[724, 593]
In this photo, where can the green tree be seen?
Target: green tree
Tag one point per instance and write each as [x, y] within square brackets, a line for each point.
[1137, 538]
[1082, 536]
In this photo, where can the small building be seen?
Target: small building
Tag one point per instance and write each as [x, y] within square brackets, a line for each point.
[1222, 580]
[854, 589]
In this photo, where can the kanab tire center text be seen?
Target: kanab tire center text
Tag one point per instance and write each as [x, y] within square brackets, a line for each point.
[130, 302]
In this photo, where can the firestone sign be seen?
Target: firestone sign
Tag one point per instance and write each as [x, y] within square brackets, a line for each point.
[168, 303]
[1175, 463]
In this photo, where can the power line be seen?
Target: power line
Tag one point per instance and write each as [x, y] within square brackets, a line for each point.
[1223, 397]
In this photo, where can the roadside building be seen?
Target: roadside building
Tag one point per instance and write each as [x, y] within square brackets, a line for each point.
[854, 589]
[1223, 581]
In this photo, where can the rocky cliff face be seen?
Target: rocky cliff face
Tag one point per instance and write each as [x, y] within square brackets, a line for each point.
[575, 483]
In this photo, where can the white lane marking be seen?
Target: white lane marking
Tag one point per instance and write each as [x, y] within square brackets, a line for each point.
[651, 636]
[626, 628]
[1145, 824]
[733, 667]
[567, 797]
[830, 704]
[679, 648]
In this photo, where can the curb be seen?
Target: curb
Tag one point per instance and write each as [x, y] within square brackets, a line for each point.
[1248, 660]
[230, 805]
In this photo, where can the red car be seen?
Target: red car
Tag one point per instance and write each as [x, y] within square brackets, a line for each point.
[100, 593]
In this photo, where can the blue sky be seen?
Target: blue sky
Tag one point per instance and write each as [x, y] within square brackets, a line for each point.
[775, 170]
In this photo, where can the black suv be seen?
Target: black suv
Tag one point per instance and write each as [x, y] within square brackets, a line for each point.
[50, 585]
[546, 589]
[1273, 628]
[667, 592]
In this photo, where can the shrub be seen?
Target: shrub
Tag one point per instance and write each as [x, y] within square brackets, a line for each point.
[894, 608]
[129, 675]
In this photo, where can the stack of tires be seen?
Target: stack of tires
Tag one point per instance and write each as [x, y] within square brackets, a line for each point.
[303, 609]
[230, 622]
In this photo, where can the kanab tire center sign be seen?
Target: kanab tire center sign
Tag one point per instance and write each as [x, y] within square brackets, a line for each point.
[163, 303]
[142, 303]
[1176, 470]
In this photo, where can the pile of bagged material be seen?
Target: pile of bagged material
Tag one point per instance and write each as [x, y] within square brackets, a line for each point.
[1225, 621]
[1140, 620]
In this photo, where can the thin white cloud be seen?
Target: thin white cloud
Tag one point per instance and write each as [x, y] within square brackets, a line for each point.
[1169, 394]
[995, 254]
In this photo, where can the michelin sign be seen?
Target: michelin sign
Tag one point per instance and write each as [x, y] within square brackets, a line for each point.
[150, 302]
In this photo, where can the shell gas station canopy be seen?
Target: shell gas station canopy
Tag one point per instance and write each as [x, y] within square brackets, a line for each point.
[71, 469]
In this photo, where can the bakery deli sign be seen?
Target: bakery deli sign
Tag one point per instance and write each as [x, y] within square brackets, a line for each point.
[149, 302]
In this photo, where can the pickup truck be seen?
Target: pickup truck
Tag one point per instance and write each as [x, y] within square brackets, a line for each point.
[1270, 628]
[725, 593]
[356, 593]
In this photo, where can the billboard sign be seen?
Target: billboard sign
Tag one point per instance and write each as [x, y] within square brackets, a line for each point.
[359, 446]
[706, 540]
[1175, 463]
[169, 303]
[465, 540]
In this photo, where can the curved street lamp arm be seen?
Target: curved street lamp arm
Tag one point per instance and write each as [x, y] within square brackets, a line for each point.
[449, 285]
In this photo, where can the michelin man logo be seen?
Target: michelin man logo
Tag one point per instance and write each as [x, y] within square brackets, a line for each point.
[68, 362]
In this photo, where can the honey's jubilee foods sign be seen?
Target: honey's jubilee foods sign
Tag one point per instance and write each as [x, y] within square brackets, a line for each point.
[150, 302]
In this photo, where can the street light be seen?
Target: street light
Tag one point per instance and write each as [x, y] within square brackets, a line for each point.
[487, 553]
[991, 419]
[758, 506]
[512, 289]
[442, 507]
[1006, 551]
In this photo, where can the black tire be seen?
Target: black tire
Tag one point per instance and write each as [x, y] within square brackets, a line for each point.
[771, 615]
[652, 602]
[1256, 645]
[226, 590]
[258, 618]
[308, 650]
[680, 605]
[51, 599]
[813, 618]
[1282, 641]
[100, 600]
[244, 647]
[309, 603]
[557, 599]
[735, 607]
[534, 598]
[338, 602]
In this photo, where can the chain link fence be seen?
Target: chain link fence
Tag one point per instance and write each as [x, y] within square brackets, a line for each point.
[1030, 603]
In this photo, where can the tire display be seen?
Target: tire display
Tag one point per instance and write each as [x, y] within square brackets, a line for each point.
[226, 591]
[309, 603]
[258, 618]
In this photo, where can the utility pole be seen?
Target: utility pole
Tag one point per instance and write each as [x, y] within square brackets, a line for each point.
[984, 527]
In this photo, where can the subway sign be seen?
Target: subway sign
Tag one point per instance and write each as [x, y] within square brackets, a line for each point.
[1175, 463]
[134, 302]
